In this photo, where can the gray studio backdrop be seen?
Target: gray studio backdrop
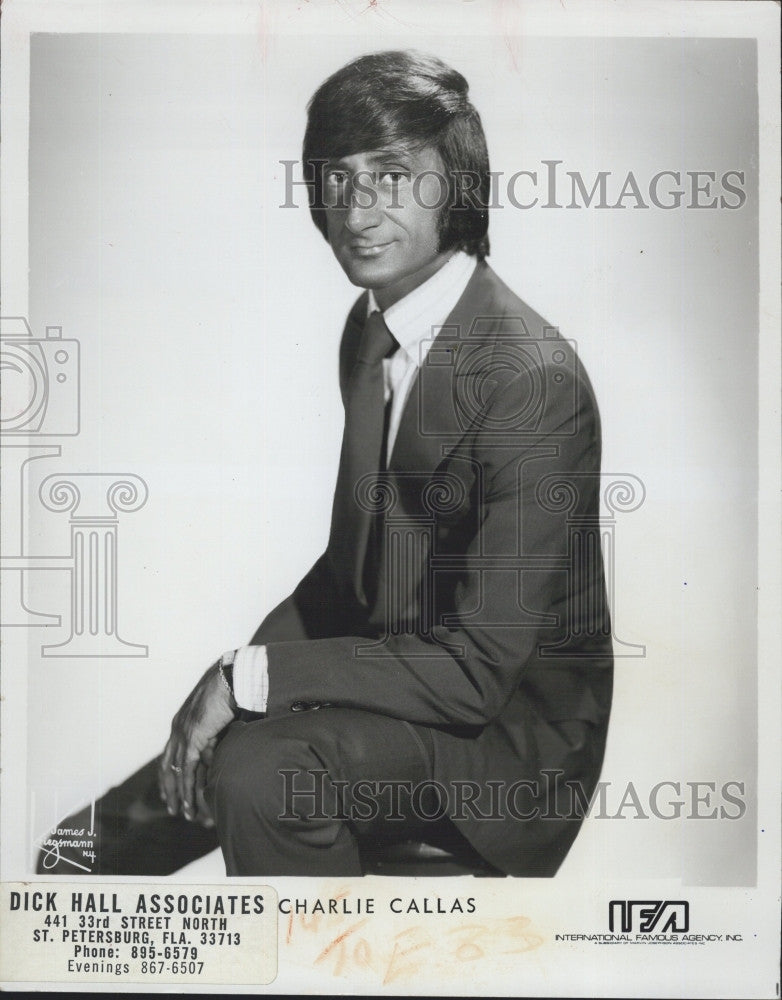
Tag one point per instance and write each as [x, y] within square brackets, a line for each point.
[208, 320]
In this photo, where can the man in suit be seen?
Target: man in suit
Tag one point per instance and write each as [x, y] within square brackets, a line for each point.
[448, 658]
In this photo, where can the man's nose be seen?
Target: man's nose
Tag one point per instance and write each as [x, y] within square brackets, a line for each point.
[363, 209]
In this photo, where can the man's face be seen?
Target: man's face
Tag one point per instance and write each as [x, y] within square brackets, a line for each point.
[381, 218]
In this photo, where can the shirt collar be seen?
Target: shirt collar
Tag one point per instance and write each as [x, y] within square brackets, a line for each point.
[412, 318]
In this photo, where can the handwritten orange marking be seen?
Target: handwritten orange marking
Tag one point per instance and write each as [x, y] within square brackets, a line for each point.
[410, 950]
[339, 942]
[468, 950]
[394, 973]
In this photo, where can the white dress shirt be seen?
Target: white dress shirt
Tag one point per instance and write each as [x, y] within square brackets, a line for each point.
[414, 322]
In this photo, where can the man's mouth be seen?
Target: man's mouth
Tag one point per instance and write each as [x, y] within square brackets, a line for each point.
[368, 250]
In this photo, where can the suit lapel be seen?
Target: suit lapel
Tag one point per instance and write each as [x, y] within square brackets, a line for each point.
[351, 338]
[431, 421]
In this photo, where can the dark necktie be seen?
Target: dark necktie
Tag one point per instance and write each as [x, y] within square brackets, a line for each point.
[362, 446]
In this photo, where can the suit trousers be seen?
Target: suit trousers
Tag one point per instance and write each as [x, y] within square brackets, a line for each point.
[295, 795]
[298, 794]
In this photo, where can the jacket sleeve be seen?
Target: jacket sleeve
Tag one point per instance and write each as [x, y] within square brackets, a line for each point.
[465, 672]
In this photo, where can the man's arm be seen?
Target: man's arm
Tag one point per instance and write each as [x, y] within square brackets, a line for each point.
[418, 680]
[206, 711]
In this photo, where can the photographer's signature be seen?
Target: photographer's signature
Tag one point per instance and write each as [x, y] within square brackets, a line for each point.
[80, 842]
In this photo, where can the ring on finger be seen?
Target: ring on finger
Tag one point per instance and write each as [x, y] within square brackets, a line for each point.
[176, 768]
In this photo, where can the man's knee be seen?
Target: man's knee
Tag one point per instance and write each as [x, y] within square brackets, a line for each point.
[275, 777]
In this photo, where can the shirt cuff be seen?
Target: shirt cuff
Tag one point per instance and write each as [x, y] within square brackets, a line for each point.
[251, 678]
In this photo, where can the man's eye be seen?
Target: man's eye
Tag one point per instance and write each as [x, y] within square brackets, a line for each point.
[336, 177]
[393, 177]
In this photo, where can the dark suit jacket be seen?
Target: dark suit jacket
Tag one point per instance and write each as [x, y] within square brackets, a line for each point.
[489, 625]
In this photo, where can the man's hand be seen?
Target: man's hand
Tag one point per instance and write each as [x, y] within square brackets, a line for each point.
[207, 710]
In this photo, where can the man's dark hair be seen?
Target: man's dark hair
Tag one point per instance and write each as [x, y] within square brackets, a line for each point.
[407, 98]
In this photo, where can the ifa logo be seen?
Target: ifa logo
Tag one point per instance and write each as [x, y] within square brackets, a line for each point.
[649, 915]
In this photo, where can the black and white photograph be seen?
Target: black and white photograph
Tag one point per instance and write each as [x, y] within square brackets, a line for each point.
[390, 482]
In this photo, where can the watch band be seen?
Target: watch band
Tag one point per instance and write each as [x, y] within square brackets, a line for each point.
[225, 667]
